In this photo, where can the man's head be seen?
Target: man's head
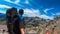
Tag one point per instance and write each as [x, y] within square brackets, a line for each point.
[21, 11]
[14, 9]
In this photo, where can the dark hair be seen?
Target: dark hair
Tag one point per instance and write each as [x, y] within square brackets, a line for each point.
[21, 11]
[14, 9]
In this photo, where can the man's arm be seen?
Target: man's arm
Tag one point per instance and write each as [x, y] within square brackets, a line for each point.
[22, 28]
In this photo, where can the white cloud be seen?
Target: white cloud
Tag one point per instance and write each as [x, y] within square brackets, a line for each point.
[53, 14]
[27, 2]
[58, 13]
[46, 17]
[8, 0]
[45, 10]
[4, 6]
[31, 12]
[16, 1]
[34, 13]
[2, 12]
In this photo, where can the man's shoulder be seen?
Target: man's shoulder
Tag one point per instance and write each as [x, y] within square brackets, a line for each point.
[21, 18]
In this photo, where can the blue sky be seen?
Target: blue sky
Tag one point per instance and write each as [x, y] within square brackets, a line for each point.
[47, 9]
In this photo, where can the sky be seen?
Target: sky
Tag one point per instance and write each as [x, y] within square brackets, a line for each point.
[46, 9]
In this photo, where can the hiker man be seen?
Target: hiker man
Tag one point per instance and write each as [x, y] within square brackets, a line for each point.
[21, 21]
[18, 27]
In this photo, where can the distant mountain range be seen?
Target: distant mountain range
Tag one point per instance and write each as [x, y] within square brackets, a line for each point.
[2, 15]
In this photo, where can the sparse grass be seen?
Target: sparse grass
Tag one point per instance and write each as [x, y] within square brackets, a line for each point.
[2, 22]
[35, 29]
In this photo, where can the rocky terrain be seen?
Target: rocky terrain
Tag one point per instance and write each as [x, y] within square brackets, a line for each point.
[36, 25]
